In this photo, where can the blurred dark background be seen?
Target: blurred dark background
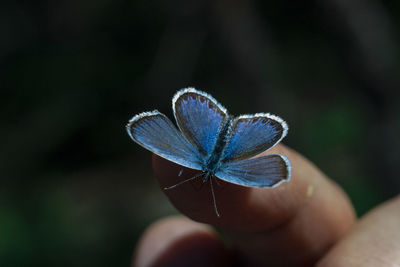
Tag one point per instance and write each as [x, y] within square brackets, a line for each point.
[75, 191]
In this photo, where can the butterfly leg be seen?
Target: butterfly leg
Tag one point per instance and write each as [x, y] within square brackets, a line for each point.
[214, 201]
[184, 181]
[206, 176]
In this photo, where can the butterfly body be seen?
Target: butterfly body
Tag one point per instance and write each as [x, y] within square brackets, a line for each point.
[213, 162]
[211, 140]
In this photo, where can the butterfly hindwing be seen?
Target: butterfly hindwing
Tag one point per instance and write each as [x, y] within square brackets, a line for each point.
[265, 171]
[199, 117]
[250, 135]
[155, 132]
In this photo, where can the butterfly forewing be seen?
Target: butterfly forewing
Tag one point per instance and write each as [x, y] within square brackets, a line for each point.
[265, 171]
[250, 135]
[199, 117]
[155, 132]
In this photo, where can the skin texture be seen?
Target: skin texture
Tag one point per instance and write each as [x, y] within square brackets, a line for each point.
[304, 222]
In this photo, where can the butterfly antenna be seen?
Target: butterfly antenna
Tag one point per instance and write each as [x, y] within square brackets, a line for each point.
[213, 195]
[184, 181]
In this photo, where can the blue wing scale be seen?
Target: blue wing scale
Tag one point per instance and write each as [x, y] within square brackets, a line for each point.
[265, 171]
[249, 135]
[199, 117]
[155, 132]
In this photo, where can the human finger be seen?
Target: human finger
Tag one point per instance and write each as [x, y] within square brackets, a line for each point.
[294, 223]
[374, 240]
[178, 241]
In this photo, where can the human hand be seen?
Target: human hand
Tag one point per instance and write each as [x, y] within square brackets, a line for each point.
[304, 222]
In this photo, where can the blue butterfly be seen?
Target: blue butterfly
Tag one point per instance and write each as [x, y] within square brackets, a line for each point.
[214, 142]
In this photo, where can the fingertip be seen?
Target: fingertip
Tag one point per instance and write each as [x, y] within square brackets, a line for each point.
[195, 199]
[178, 241]
[310, 212]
